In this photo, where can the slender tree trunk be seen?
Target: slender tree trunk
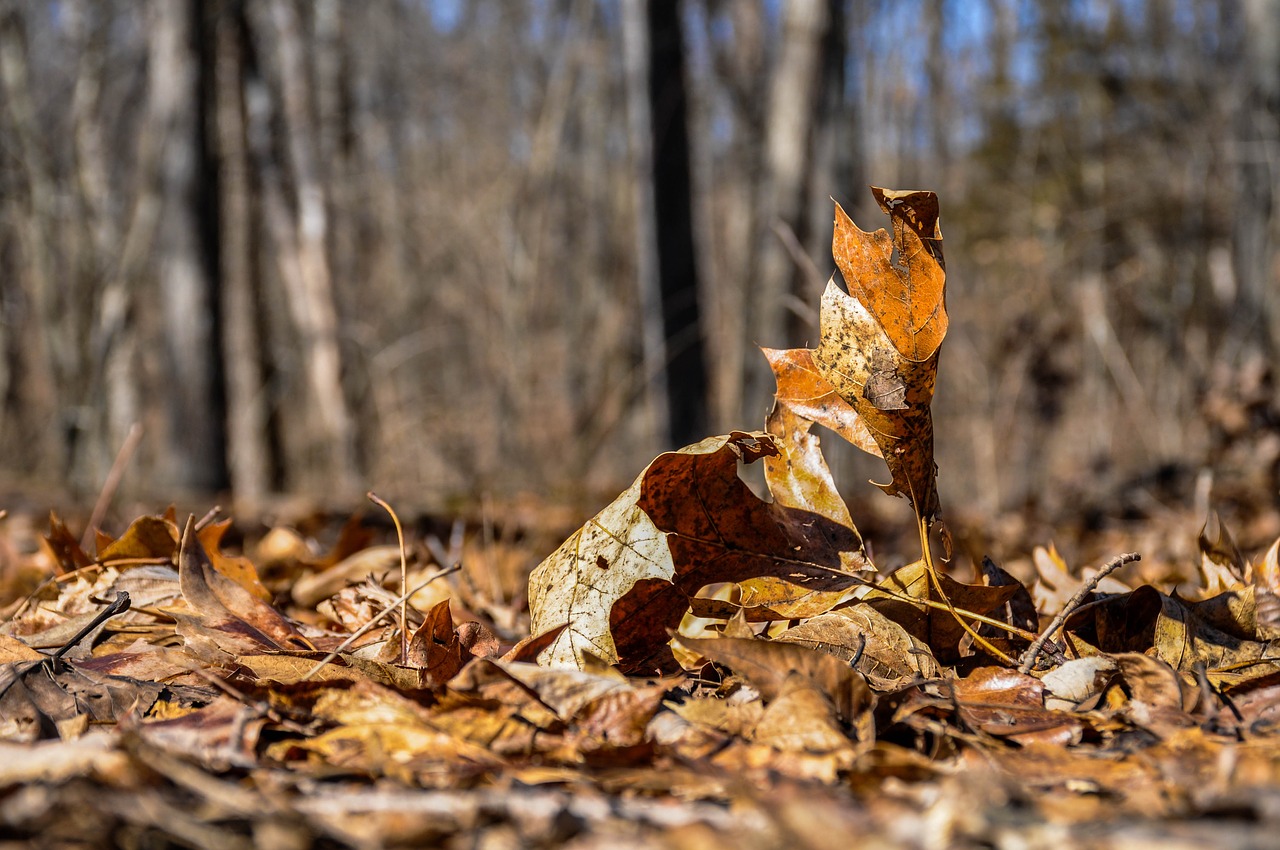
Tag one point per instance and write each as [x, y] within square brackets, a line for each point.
[248, 450]
[940, 121]
[1257, 313]
[194, 412]
[635, 49]
[673, 207]
[43, 363]
[780, 203]
[833, 158]
[305, 269]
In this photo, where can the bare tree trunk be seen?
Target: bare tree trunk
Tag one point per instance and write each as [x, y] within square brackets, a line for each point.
[780, 203]
[1257, 313]
[304, 264]
[43, 364]
[635, 49]
[673, 207]
[248, 450]
[194, 412]
[731, 175]
[940, 121]
[833, 158]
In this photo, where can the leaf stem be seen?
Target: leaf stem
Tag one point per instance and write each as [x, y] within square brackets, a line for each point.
[404, 577]
[922, 525]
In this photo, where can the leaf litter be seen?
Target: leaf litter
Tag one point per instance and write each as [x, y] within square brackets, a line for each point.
[696, 665]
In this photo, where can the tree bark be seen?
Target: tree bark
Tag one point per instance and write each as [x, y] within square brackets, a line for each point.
[194, 455]
[42, 355]
[1257, 311]
[304, 265]
[793, 97]
[635, 50]
[248, 450]
[686, 377]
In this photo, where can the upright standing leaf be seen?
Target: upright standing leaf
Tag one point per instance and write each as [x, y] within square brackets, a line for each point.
[872, 376]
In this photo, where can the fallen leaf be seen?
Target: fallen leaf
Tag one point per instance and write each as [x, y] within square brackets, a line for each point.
[225, 619]
[625, 579]
[766, 664]
[885, 652]
[219, 735]
[12, 649]
[1020, 610]
[63, 548]
[1009, 704]
[737, 718]
[1219, 632]
[799, 479]
[800, 718]
[235, 567]
[901, 597]
[435, 649]
[1078, 683]
[879, 343]
[36, 697]
[906, 293]
[146, 537]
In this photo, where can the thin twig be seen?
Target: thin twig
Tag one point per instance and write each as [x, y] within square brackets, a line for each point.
[118, 606]
[1033, 652]
[209, 517]
[112, 482]
[369, 625]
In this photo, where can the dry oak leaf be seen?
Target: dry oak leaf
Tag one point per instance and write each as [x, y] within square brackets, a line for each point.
[626, 578]
[906, 294]
[885, 652]
[856, 356]
[798, 477]
[382, 733]
[879, 344]
[1219, 632]
[807, 394]
[224, 618]
[801, 719]
[766, 664]
[1009, 704]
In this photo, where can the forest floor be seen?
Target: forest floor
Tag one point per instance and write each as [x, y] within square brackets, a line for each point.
[202, 715]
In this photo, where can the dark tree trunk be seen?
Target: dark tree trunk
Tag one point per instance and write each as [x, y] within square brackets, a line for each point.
[673, 210]
[195, 435]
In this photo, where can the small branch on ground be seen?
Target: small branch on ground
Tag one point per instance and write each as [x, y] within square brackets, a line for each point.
[404, 576]
[112, 483]
[118, 606]
[1028, 659]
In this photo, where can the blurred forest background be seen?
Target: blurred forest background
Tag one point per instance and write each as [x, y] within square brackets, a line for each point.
[446, 249]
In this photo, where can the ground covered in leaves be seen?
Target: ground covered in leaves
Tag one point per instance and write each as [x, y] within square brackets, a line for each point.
[202, 715]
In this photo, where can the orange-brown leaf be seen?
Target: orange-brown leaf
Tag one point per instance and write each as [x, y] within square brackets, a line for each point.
[907, 293]
[891, 394]
[803, 389]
